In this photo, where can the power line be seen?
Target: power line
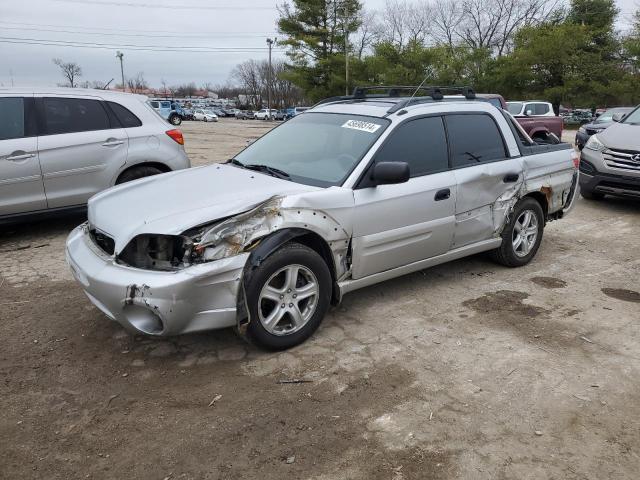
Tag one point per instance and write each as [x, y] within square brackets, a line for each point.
[159, 49]
[125, 45]
[171, 7]
[113, 34]
[137, 30]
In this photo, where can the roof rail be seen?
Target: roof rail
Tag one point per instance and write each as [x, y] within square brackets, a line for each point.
[387, 91]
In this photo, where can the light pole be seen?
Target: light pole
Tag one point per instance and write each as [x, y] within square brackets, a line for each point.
[346, 49]
[119, 55]
[270, 43]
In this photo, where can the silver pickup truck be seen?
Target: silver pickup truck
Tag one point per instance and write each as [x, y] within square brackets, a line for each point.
[354, 191]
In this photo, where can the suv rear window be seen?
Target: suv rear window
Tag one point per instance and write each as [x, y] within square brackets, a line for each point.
[12, 118]
[68, 115]
[474, 139]
[126, 118]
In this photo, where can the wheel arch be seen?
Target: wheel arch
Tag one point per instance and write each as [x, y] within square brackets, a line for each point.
[541, 198]
[159, 165]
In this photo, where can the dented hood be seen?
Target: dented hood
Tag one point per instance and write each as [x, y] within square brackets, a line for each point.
[174, 202]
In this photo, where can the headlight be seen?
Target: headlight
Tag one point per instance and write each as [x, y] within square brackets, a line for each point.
[582, 130]
[157, 252]
[594, 143]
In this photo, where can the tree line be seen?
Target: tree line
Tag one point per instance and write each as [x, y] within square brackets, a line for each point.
[569, 54]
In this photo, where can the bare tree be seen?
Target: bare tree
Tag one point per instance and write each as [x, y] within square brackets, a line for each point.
[405, 22]
[367, 34]
[446, 19]
[250, 78]
[70, 71]
[137, 84]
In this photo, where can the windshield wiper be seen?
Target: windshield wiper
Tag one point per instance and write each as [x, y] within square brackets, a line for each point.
[274, 172]
[235, 162]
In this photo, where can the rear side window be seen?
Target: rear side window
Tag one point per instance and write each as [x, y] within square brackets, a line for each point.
[68, 115]
[540, 108]
[474, 139]
[421, 143]
[12, 118]
[126, 118]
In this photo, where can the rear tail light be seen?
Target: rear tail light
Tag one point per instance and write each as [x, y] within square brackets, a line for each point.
[176, 135]
[575, 156]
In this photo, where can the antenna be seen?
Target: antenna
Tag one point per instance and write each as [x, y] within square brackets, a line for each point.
[416, 90]
[106, 85]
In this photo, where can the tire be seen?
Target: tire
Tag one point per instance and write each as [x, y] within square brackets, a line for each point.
[273, 326]
[205, 119]
[591, 195]
[135, 173]
[514, 254]
[175, 120]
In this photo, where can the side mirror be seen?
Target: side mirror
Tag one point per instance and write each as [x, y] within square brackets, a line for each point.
[528, 113]
[617, 117]
[387, 173]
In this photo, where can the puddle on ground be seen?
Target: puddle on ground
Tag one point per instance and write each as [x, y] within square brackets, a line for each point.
[622, 294]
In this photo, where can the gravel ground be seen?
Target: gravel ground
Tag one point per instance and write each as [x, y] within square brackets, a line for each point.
[466, 370]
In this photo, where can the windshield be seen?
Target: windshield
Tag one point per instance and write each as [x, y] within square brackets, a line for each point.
[319, 149]
[633, 118]
[607, 116]
[514, 107]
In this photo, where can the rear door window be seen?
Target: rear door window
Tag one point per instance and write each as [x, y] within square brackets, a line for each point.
[421, 143]
[540, 108]
[12, 124]
[69, 115]
[474, 139]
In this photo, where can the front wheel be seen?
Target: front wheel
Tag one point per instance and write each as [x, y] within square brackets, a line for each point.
[522, 236]
[287, 297]
[175, 120]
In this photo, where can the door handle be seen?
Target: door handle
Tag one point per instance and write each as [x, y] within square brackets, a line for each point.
[17, 158]
[442, 194]
[112, 143]
[511, 178]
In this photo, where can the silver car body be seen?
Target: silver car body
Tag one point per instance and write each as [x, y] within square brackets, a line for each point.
[372, 234]
[44, 172]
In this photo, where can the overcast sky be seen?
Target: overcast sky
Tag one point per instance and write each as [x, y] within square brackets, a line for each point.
[185, 40]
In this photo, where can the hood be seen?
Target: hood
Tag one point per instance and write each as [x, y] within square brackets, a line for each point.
[621, 136]
[598, 126]
[174, 202]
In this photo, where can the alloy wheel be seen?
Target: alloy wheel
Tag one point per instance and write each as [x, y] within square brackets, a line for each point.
[525, 233]
[288, 300]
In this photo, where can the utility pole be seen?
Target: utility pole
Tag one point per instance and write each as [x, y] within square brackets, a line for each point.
[346, 49]
[119, 55]
[270, 43]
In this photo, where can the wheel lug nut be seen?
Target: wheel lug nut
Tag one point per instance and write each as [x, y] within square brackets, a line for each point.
[291, 305]
[281, 296]
[283, 305]
[295, 296]
[289, 290]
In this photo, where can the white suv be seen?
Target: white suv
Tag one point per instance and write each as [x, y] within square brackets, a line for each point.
[265, 113]
[533, 108]
[60, 146]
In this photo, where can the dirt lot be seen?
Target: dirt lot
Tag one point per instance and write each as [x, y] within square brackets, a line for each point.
[467, 370]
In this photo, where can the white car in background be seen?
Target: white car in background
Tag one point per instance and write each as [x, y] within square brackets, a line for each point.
[265, 113]
[205, 115]
[60, 146]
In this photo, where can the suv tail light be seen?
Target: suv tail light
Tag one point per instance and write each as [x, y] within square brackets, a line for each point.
[176, 135]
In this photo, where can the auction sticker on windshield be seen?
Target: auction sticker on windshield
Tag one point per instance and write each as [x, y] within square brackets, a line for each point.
[360, 125]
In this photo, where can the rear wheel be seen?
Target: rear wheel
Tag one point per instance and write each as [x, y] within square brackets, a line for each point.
[288, 297]
[135, 173]
[175, 120]
[522, 236]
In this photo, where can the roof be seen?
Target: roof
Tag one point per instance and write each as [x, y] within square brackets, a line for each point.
[113, 94]
[385, 106]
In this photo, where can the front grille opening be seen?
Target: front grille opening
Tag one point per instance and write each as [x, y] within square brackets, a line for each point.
[156, 252]
[103, 241]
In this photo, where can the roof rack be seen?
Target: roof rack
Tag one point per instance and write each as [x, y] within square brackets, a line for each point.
[396, 91]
